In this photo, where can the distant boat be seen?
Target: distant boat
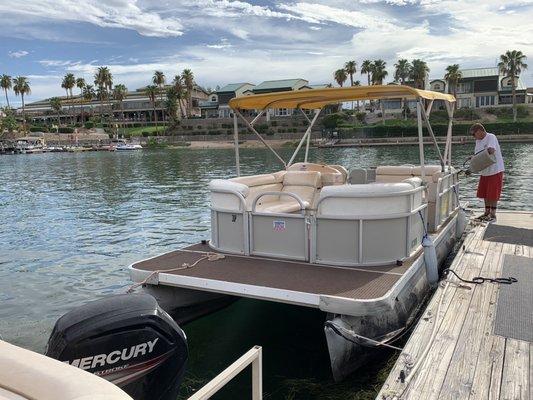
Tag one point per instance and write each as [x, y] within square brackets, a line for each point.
[122, 145]
[29, 145]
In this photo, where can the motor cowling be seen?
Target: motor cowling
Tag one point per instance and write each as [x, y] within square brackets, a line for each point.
[128, 340]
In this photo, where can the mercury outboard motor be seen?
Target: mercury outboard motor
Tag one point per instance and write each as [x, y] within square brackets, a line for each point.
[128, 340]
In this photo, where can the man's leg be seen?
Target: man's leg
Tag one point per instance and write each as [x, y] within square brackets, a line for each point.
[493, 207]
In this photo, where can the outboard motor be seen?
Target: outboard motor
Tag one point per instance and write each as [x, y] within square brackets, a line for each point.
[128, 340]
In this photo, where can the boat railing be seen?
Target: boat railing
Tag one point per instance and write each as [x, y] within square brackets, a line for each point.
[255, 358]
[301, 203]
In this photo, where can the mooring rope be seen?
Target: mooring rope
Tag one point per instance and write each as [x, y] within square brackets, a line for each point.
[209, 257]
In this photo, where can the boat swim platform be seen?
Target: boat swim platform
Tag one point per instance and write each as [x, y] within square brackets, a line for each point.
[329, 288]
[466, 359]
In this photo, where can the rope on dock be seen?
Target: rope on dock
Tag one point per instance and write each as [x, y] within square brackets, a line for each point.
[338, 330]
[208, 256]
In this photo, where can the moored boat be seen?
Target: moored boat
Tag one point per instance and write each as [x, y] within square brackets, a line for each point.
[363, 246]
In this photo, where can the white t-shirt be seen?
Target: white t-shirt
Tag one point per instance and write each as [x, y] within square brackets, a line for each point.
[490, 140]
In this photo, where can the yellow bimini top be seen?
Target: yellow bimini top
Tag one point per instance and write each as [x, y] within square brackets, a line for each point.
[317, 98]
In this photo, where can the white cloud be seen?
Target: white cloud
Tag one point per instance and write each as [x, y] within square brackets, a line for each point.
[18, 53]
[115, 14]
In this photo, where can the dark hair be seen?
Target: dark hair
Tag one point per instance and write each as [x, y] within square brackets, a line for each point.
[476, 127]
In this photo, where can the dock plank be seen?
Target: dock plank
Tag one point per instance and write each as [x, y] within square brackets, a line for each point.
[466, 359]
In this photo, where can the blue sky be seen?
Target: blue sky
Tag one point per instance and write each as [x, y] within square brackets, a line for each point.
[234, 41]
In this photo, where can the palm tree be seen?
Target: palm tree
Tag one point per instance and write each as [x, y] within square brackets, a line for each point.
[88, 93]
[80, 84]
[180, 94]
[104, 83]
[351, 68]
[119, 94]
[402, 70]
[151, 92]
[340, 76]
[452, 76]
[379, 72]
[511, 64]
[69, 81]
[188, 80]
[419, 72]
[5, 83]
[55, 103]
[171, 104]
[366, 68]
[22, 86]
[159, 80]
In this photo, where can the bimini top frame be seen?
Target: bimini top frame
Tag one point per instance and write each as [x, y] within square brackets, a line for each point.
[316, 99]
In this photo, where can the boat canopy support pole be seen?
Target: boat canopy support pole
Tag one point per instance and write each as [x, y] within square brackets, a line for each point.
[236, 144]
[305, 137]
[448, 150]
[251, 127]
[430, 130]
[420, 139]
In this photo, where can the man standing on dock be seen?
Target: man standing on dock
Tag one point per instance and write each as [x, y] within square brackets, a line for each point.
[491, 180]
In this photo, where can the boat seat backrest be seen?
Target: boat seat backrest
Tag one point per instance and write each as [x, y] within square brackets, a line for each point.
[302, 183]
[369, 199]
[330, 174]
[258, 184]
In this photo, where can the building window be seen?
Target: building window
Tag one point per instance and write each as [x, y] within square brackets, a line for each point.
[484, 101]
[281, 112]
[437, 86]
[214, 98]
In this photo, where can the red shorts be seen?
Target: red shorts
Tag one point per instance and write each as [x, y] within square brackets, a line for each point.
[490, 187]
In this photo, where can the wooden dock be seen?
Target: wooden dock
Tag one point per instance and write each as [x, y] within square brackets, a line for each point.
[466, 360]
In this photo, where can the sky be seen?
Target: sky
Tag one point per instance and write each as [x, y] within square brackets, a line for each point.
[228, 41]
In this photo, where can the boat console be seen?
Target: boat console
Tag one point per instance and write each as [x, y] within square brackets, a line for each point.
[311, 213]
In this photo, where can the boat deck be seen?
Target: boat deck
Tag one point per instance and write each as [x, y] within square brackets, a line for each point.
[466, 359]
[271, 279]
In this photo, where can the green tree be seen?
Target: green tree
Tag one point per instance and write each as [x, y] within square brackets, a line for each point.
[379, 72]
[120, 92]
[351, 68]
[55, 103]
[88, 94]
[419, 72]
[366, 68]
[340, 76]
[452, 76]
[171, 105]
[8, 122]
[402, 70]
[188, 80]
[511, 65]
[103, 81]
[180, 95]
[151, 92]
[159, 80]
[80, 84]
[69, 81]
[6, 84]
[21, 86]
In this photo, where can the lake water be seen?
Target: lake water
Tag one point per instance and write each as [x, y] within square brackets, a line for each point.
[72, 223]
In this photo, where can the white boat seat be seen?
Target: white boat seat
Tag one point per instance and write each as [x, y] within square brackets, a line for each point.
[330, 174]
[369, 199]
[304, 184]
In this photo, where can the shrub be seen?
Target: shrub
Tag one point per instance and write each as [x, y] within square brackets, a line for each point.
[65, 129]
[274, 123]
[361, 116]
[331, 121]
[466, 114]
[145, 133]
[261, 128]
[89, 125]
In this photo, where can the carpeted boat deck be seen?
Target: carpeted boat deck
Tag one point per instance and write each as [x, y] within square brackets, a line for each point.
[514, 316]
[349, 282]
[509, 234]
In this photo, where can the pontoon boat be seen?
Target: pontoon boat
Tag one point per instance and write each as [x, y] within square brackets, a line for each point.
[363, 245]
